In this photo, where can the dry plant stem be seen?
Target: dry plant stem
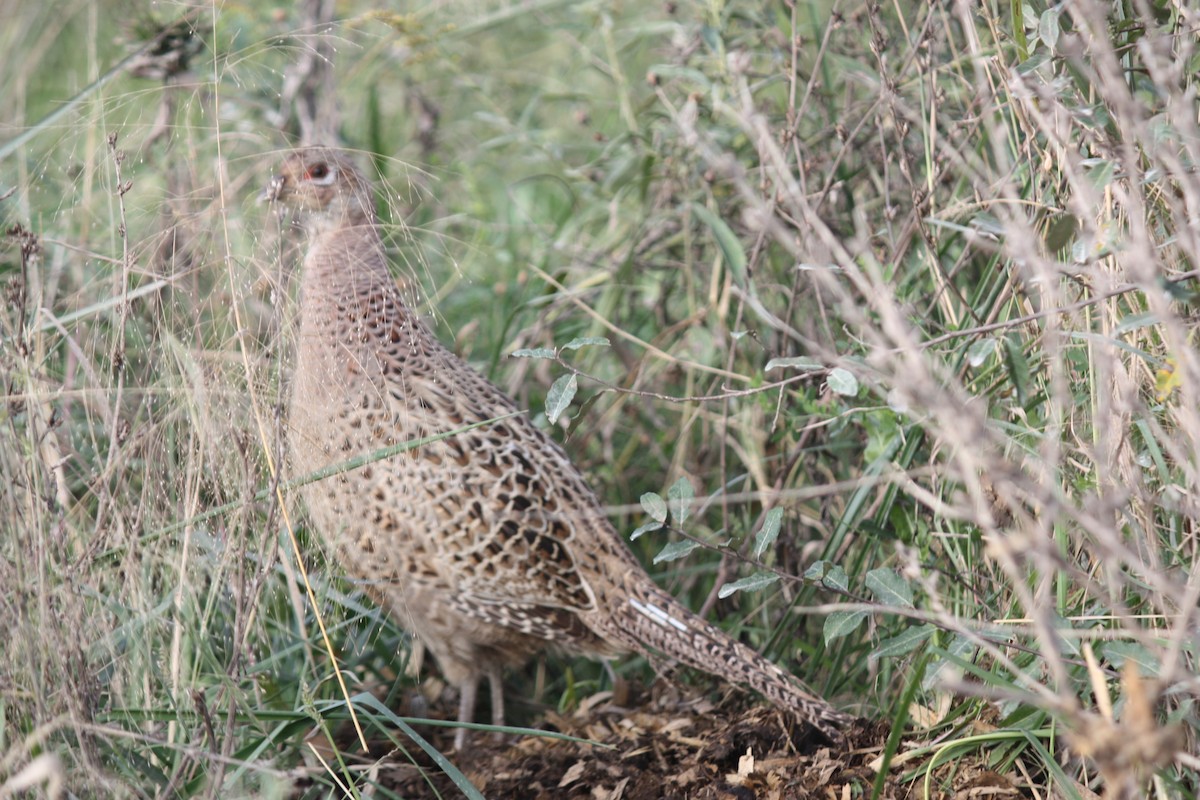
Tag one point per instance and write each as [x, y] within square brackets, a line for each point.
[727, 394]
[1064, 310]
[117, 430]
[198, 753]
[726, 565]
[1115, 399]
[616, 331]
[794, 115]
[273, 469]
[896, 356]
[329, 770]
[46, 769]
[1142, 260]
[309, 95]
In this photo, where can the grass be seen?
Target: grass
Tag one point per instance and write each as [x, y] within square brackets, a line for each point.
[973, 223]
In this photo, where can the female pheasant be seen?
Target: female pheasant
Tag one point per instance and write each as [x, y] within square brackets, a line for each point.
[488, 544]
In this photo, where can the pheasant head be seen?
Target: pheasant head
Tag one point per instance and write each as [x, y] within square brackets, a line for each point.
[325, 189]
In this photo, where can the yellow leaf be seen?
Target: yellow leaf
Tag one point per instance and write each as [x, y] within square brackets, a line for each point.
[1166, 380]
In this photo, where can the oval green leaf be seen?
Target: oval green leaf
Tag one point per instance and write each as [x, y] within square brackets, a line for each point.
[561, 393]
[803, 363]
[655, 506]
[680, 496]
[842, 381]
[750, 583]
[675, 551]
[889, 588]
[585, 341]
[840, 623]
[768, 533]
[533, 352]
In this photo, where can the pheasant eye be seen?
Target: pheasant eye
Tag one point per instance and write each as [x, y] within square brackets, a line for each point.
[320, 173]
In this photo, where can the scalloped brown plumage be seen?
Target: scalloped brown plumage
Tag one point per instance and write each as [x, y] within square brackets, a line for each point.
[488, 544]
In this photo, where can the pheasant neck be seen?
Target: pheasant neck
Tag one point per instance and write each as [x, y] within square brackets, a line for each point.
[346, 261]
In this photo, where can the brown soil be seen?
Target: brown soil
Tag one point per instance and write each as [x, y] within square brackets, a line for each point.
[663, 749]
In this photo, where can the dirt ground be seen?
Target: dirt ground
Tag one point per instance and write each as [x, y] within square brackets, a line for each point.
[668, 749]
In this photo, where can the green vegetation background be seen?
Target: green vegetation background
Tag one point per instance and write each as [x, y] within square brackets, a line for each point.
[899, 310]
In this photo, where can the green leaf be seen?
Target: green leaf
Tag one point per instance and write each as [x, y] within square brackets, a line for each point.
[1018, 367]
[979, 351]
[768, 532]
[584, 341]
[375, 706]
[1101, 174]
[534, 352]
[655, 506]
[1033, 63]
[675, 551]
[803, 363]
[750, 583]
[904, 642]
[816, 571]
[731, 248]
[685, 74]
[840, 623]
[712, 38]
[649, 526]
[1048, 28]
[1068, 644]
[562, 391]
[835, 578]
[842, 381]
[680, 496]
[1133, 322]
[1061, 232]
[954, 655]
[889, 588]
[1030, 16]
[988, 223]
[1119, 653]
[1178, 290]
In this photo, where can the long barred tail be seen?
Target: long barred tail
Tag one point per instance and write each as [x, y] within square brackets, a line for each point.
[654, 620]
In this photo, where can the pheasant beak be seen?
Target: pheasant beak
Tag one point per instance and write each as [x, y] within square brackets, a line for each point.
[275, 189]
